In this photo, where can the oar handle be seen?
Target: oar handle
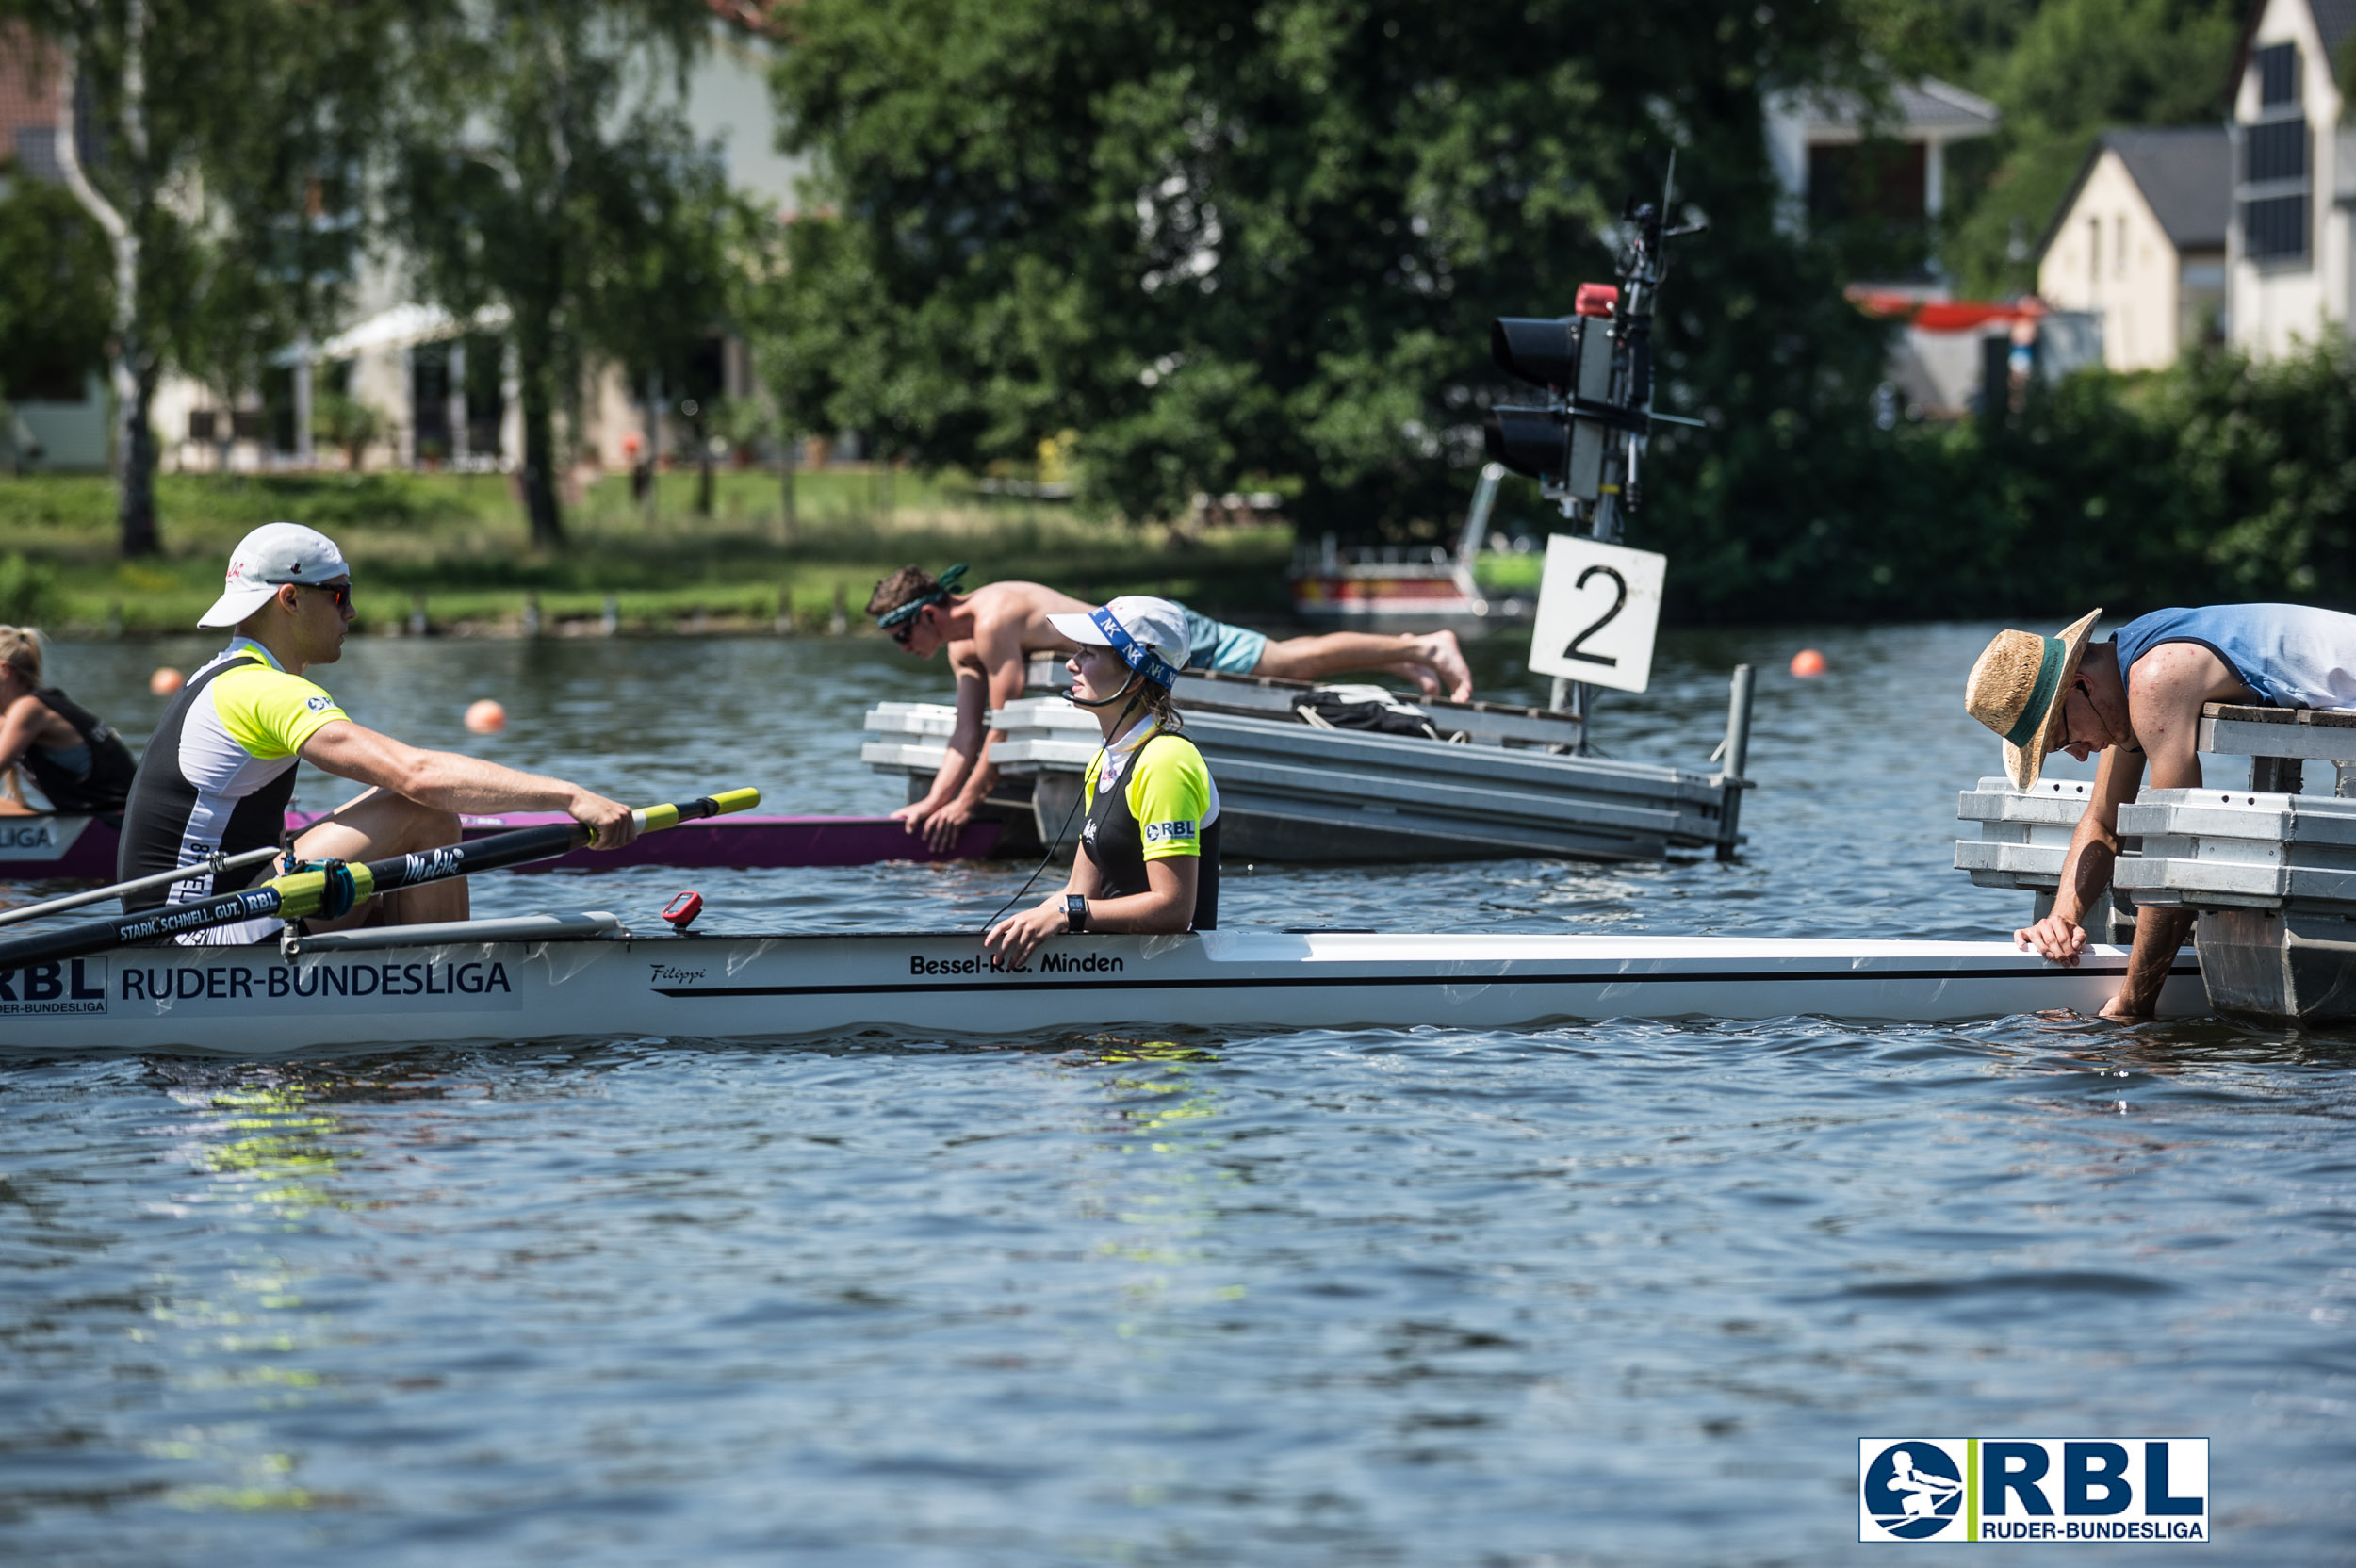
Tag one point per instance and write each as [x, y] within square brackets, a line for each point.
[304, 892]
[655, 818]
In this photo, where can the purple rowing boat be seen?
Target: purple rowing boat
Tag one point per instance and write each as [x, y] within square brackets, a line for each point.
[39, 848]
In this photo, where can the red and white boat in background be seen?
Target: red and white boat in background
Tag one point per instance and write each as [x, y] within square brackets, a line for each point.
[1395, 588]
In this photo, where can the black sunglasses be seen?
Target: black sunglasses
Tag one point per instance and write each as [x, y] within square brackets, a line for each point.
[341, 590]
[905, 629]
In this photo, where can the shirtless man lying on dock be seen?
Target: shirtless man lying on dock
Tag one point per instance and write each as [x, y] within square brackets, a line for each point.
[991, 632]
[2138, 699]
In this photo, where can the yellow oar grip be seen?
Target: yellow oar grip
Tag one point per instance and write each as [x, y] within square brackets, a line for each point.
[655, 818]
[306, 891]
[301, 893]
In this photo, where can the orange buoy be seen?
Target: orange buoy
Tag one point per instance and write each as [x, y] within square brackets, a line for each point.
[1808, 663]
[485, 717]
[166, 680]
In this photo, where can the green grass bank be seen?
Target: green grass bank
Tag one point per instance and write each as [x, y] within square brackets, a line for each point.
[459, 543]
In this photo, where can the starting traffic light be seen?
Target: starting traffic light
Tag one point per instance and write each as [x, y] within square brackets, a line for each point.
[1562, 443]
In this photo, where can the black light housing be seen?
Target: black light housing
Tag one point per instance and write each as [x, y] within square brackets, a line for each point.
[1540, 350]
[1531, 441]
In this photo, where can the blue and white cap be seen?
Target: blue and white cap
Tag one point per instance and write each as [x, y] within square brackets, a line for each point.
[1150, 634]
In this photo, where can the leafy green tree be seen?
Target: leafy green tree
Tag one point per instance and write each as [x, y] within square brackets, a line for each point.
[545, 163]
[812, 324]
[1229, 241]
[2069, 71]
[58, 304]
[215, 128]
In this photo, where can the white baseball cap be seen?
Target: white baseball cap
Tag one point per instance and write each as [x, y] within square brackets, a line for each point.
[273, 554]
[1150, 634]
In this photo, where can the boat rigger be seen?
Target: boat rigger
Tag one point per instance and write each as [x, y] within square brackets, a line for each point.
[582, 976]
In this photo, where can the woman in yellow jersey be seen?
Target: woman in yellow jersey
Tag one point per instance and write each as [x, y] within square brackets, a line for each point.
[1147, 859]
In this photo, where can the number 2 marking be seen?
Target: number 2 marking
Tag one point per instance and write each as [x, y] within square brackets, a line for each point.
[1619, 602]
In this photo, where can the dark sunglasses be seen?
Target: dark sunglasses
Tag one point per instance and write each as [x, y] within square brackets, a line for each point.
[905, 629]
[342, 591]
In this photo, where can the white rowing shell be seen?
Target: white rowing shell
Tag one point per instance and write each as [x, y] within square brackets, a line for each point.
[250, 1001]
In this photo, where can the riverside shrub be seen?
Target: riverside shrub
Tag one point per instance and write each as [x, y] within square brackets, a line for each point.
[2218, 479]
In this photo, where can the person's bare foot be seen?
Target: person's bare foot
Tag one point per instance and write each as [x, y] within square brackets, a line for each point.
[1447, 658]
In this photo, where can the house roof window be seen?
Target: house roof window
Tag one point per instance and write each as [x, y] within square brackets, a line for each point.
[2277, 65]
[2277, 163]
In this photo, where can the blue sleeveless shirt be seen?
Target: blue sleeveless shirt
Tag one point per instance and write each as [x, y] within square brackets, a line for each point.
[2292, 655]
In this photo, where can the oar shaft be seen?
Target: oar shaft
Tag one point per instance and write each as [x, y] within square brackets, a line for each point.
[138, 883]
[303, 892]
[72, 941]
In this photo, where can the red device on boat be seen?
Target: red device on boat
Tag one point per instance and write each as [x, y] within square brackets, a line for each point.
[682, 911]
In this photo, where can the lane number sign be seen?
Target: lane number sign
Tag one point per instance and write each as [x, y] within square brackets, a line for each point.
[1597, 610]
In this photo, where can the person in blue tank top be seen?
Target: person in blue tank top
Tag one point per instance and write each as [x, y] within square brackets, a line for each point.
[2136, 700]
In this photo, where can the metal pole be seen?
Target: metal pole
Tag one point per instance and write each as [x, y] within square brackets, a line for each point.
[305, 456]
[1738, 753]
[212, 866]
[454, 402]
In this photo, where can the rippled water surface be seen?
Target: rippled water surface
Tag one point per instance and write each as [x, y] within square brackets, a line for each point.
[1622, 1293]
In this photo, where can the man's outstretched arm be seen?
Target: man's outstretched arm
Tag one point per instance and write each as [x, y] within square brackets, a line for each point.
[450, 781]
[954, 799]
[2166, 692]
[2086, 872]
[967, 738]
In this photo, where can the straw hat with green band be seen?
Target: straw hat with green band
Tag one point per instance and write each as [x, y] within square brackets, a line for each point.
[2015, 687]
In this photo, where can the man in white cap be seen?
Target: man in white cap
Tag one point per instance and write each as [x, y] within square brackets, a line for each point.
[2138, 699]
[991, 631]
[221, 769]
[1147, 858]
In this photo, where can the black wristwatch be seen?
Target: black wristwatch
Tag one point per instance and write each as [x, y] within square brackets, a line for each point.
[1076, 912]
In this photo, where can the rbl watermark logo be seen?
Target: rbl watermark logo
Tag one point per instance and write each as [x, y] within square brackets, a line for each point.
[2033, 1488]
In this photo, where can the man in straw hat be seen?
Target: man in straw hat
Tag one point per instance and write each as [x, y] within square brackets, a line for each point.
[2138, 699]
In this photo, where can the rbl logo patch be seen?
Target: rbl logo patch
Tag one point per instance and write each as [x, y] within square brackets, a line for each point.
[2033, 1489]
[1165, 832]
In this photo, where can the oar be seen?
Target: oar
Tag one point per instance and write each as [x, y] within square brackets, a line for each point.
[211, 866]
[304, 892]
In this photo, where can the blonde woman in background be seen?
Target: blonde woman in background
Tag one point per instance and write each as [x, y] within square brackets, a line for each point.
[80, 763]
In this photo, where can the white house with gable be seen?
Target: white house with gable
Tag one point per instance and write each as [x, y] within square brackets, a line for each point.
[2140, 242]
[2290, 253]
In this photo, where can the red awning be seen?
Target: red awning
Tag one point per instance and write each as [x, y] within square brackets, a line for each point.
[1944, 314]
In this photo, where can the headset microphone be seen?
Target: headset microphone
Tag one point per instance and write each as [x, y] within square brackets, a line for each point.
[1105, 702]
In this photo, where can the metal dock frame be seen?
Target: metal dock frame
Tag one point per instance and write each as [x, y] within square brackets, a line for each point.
[2271, 871]
[2023, 837]
[1293, 793]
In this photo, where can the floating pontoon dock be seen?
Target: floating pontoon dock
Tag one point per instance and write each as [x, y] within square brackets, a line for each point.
[2271, 871]
[1511, 784]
